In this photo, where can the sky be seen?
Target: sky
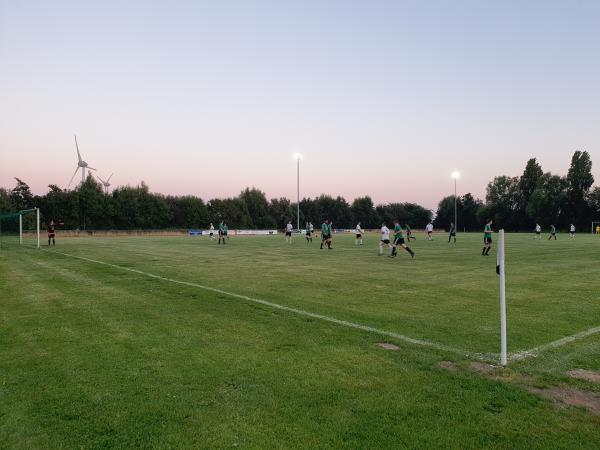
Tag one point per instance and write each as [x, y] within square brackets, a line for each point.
[382, 98]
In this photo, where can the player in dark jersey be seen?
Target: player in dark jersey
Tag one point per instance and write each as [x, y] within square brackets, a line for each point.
[409, 233]
[452, 232]
[51, 233]
[399, 241]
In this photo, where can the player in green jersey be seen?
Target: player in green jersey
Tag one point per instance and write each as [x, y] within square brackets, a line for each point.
[326, 234]
[487, 238]
[399, 241]
[222, 232]
[552, 232]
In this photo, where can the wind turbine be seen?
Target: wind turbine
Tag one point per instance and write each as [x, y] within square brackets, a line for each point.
[105, 183]
[81, 164]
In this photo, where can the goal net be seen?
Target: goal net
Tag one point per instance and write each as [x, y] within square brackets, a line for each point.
[20, 229]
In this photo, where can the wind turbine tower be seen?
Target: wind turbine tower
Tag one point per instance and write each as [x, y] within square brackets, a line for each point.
[105, 183]
[81, 164]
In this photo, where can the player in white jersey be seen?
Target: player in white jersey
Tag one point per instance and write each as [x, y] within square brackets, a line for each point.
[429, 229]
[288, 232]
[572, 231]
[385, 238]
[358, 232]
[538, 231]
[309, 232]
[211, 232]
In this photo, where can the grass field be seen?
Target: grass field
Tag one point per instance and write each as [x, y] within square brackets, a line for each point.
[177, 342]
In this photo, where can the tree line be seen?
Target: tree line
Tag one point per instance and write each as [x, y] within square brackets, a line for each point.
[518, 203]
[514, 203]
[134, 207]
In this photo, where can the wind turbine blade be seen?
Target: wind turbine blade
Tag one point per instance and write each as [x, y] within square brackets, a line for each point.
[74, 173]
[90, 168]
[109, 177]
[77, 147]
[101, 180]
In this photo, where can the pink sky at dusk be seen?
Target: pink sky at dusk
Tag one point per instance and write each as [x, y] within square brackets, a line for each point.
[207, 100]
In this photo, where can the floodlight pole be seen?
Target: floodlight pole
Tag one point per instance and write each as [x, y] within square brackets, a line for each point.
[455, 208]
[37, 213]
[500, 268]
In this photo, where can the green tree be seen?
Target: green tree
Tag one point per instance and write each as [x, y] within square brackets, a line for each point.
[528, 183]
[579, 182]
[467, 208]
[138, 208]
[593, 201]
[336, 209]
[92, 213]
[258, 208]
[5, 201]
[363, 211]
[407, 213]
[187, 211]
[21, 196]
[548, 201]
[309, 212]
[281, 210]
[445, 213]
[232, 211]
[502, 200]
[62, 206]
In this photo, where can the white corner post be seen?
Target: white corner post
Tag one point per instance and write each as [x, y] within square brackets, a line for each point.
[37, 219]
[500, 270]
[298, 195]
[20, 229]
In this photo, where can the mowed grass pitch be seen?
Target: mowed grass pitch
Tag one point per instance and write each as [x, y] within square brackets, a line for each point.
[94, 356]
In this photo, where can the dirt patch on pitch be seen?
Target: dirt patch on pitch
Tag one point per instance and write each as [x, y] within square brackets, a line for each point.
[482, 368]
[571, 397]
[448, 365]
[587, 375]
[388, 345]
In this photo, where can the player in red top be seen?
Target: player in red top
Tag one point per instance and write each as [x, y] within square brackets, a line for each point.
[51, 233]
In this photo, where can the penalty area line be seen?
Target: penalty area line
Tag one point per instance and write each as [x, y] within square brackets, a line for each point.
[486, 357]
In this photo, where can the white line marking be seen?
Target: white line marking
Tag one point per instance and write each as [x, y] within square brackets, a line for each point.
[533, 352]
[487, 357]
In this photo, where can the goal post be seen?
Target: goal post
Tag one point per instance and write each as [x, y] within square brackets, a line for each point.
[20, 228]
